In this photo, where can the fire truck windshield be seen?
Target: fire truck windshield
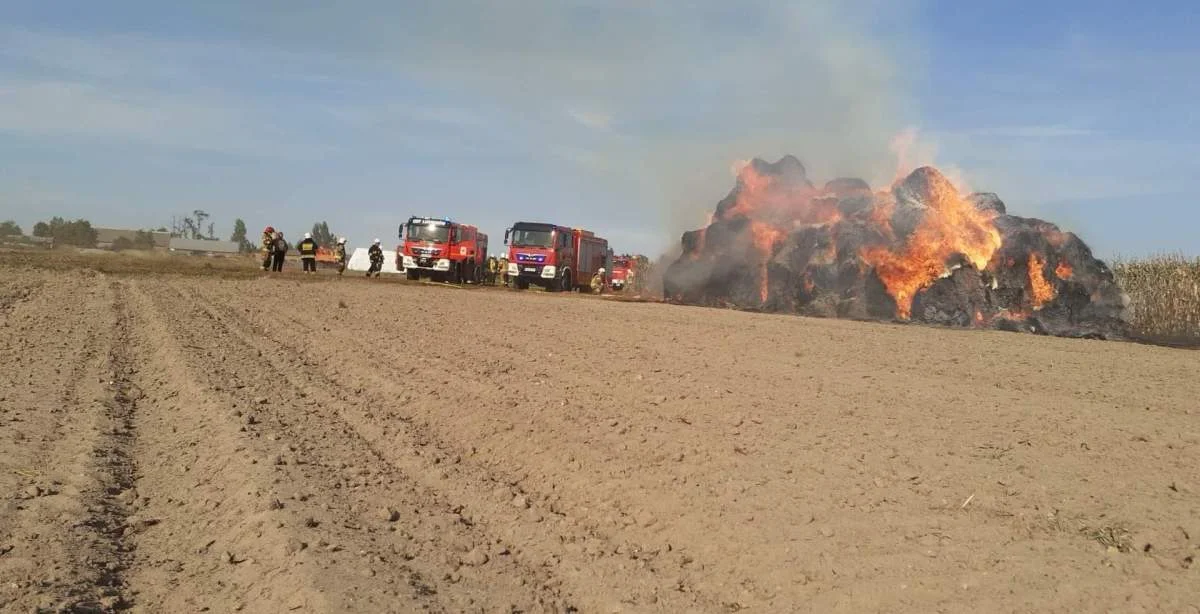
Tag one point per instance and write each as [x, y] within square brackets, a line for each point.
[436, 233]
[531, 238]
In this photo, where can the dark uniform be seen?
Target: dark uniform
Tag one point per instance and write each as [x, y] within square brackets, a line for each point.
[375, 253]
[279, 248]
[308, 254]
[339, 252]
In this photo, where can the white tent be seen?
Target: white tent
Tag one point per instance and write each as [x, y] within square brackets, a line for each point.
[359, 261]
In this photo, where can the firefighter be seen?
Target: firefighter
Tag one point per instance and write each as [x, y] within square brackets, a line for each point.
[503, 267]
[375, 253]
[267, 243]
[492, 263]
[308, 253]
[339, 253]
[279, 248]
[598, 281]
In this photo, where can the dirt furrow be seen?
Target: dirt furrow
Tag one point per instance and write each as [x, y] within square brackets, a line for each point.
[206, 515]
[648, 441]
[115, 464]
[372, 515]
[69, 453]
[617, 569]
[612, 550]
[181, 444]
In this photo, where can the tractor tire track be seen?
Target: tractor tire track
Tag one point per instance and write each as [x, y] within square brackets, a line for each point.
[64, 528]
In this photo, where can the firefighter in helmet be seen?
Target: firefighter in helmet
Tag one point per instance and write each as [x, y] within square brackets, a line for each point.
[308, 253]
[339, 253]
[492, 264]
[267, 247]
[375, 253]
[598, 281]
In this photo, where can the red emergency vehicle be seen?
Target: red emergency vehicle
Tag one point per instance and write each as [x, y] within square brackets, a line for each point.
[555, 257]
[624, 268]
[442, 250]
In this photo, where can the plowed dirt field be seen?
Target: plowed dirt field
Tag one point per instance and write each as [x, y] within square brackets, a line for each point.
[198, 443]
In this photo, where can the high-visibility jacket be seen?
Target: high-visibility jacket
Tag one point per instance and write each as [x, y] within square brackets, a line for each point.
[308, 248]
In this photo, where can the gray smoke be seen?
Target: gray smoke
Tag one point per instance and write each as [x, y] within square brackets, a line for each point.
[651, 102]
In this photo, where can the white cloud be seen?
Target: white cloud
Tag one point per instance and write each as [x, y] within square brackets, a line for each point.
[1032, 132]
[654, 100]
[51, 108]
[594, 120]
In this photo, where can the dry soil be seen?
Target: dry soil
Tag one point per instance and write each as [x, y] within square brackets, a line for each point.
[182, 444]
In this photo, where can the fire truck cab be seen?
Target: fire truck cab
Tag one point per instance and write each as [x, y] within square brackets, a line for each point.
[624, 268]
[557, 258]
[442, 250]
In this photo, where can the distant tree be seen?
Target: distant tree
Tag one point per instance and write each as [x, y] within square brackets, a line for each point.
[197, 226]
[142, 240]
[239, 236]
[8, 228]
[322, 235]
[76, 232]
[161, 229]
[121, 244]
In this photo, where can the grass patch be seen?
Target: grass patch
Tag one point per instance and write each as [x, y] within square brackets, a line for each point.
[133, 262]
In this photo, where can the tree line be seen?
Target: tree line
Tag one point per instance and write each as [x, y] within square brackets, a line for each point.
[80, 233]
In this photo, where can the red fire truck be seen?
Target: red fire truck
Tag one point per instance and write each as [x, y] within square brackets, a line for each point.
[624, 268]
[554, 257]
[442, 250]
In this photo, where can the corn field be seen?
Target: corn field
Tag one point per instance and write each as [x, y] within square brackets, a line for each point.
[1164, 294]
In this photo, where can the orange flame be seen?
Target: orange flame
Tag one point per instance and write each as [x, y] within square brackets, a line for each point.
[765, 239]
[952, 226]
[1063, 270]
[1040, 290]
[764, 198]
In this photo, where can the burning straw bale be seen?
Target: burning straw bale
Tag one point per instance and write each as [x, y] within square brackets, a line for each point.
[916, 251]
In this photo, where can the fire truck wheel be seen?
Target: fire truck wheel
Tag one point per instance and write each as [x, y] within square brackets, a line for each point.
[412, 275]
[567, 281]
[522, 284]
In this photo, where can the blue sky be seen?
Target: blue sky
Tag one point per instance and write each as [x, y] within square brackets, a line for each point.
[617, 115]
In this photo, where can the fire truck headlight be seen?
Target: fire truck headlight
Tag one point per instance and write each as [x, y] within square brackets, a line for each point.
[549, 271]
[513, 269]
[409, 263]
[442, 265]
